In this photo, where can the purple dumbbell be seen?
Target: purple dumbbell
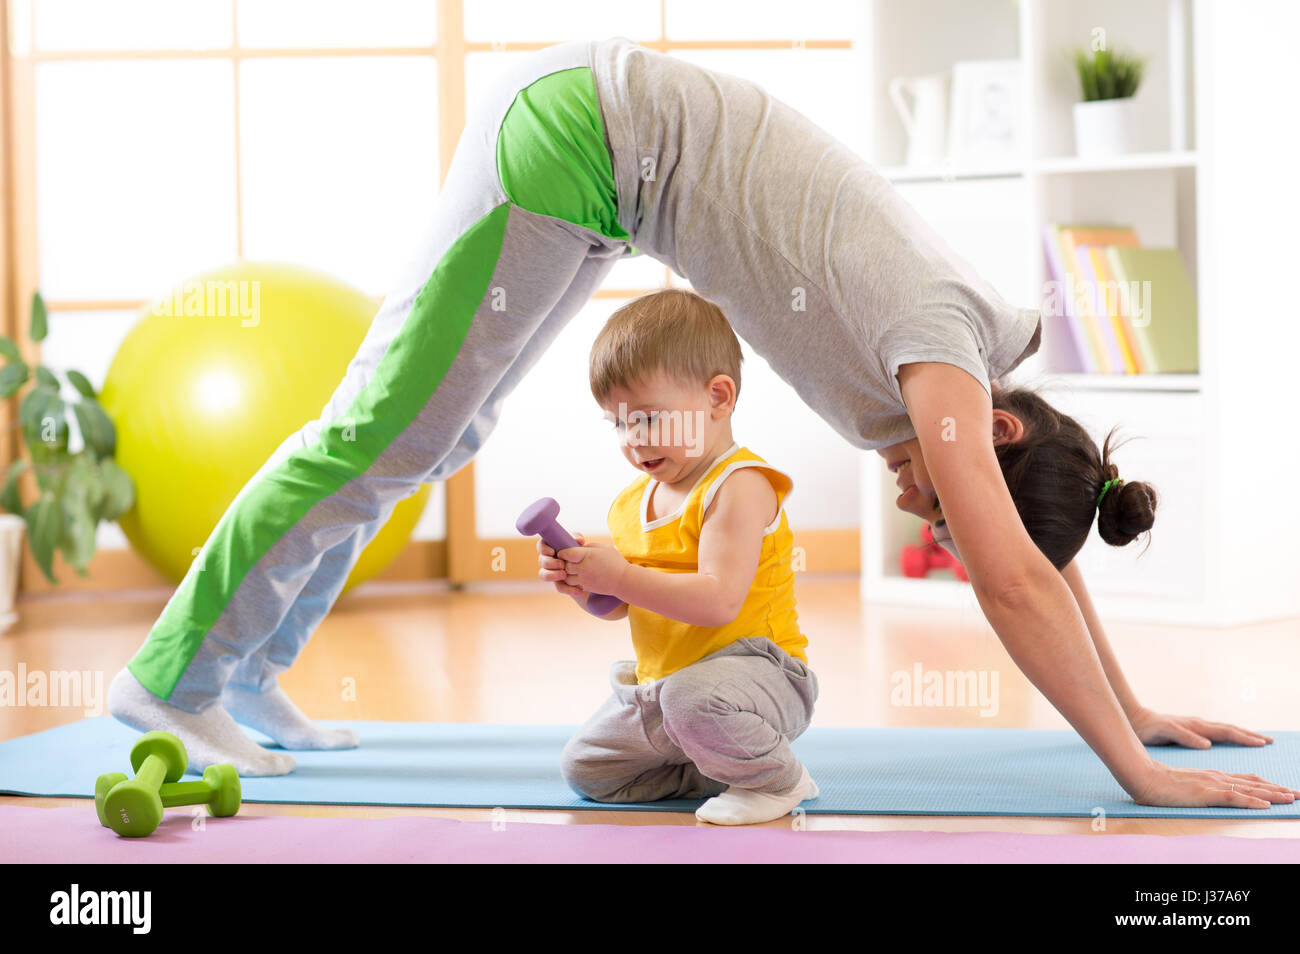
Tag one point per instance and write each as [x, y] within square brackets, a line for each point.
[539, 519]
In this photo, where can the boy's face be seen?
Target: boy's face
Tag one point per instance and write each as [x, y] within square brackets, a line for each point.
[665, 426]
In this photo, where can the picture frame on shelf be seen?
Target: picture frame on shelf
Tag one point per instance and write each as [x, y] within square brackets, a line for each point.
[984, 118]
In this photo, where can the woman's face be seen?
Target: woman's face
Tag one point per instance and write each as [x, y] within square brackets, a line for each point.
[917, 494]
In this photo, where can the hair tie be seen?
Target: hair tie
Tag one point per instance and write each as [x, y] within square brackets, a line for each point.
[1106, 486]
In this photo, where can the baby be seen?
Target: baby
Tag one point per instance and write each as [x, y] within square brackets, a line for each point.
[701, 561]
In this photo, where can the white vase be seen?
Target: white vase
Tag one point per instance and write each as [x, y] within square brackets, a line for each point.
[925, 119]
[12, 528]
[1105, 127]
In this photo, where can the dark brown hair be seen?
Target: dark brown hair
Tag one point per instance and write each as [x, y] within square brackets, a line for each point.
[1055, 473]
[674, 331]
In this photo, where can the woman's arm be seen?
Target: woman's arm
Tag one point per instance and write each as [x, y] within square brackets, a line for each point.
[1024, 598]
[1152, 728]
[1028, 603]
[1127, 699]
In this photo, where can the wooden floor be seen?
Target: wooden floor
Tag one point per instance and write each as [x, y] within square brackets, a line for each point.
[512, 652]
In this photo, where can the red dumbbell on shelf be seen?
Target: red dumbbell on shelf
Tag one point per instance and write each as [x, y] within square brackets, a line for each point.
[919, 560]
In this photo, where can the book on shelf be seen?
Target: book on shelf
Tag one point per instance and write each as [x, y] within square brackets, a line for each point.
[1108, 305]
[1128, 308]
[1159, 304]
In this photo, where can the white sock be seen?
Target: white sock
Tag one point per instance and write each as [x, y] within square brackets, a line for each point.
[210, 737]
[273, 713]
[747, 806]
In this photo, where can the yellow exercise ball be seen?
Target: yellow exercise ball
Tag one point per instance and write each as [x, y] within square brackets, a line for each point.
[211, 379]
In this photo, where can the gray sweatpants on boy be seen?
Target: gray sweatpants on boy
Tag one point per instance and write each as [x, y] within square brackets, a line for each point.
[727, 720]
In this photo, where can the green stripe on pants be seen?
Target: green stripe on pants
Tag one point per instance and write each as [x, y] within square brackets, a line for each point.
[269, 506]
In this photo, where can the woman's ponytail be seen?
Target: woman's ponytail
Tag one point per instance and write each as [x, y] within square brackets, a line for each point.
[1125, 508]
[1061, 483]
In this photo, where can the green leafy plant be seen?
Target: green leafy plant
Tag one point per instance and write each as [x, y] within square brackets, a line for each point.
[1107, 75]
[76, 490]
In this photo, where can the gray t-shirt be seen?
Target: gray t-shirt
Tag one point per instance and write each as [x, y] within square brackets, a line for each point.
[811, 254]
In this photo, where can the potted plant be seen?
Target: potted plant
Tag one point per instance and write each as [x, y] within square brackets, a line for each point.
[77, 489]
[1105, 123]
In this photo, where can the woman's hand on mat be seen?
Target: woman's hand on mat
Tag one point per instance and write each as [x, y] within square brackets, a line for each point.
[1156, 728]
[1172, 786]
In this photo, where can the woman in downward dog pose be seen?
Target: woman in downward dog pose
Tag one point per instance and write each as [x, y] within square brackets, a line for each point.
[582, 153]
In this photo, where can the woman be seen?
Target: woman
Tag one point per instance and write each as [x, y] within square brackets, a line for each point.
[1051, 469]
[582, 152]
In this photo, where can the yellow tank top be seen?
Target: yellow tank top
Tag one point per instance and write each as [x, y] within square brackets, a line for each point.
[671, 544]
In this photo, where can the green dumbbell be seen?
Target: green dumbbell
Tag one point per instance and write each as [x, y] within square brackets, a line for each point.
[134, 807]
[103, 785]
[219, 790]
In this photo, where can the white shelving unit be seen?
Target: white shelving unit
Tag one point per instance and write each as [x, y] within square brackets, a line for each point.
[1211, 180]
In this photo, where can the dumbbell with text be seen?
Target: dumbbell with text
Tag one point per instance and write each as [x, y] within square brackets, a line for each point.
[133, 807]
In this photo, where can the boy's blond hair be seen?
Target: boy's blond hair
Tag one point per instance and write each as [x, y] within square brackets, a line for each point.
[674, 331]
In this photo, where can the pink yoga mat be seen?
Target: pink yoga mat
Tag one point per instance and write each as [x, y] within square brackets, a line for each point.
[74, 835]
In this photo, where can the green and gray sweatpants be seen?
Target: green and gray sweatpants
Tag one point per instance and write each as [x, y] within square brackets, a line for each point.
[525, 229]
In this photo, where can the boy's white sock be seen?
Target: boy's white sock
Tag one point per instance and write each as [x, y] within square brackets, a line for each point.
[210, 737]
[747, 806]
[273, 713]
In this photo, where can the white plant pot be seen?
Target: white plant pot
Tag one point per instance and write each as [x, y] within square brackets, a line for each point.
[12, 528]
[1105, 127]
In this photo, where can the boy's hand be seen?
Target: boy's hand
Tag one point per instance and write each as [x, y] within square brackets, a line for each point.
[588, 567]
[593, 567]
[553, 570]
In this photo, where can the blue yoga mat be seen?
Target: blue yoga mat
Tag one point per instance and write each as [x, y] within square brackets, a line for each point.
[896, 771]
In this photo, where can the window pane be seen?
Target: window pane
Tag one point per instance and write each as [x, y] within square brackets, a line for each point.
[804, 79]
[774, 422]
[636, 272]
[432, 524]
[488, 21]
[551, 423]
[87, 341]
[484, 69]
[763, 20]
[130, 24]
[325, 23]
[135, 175]
[340, 162]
